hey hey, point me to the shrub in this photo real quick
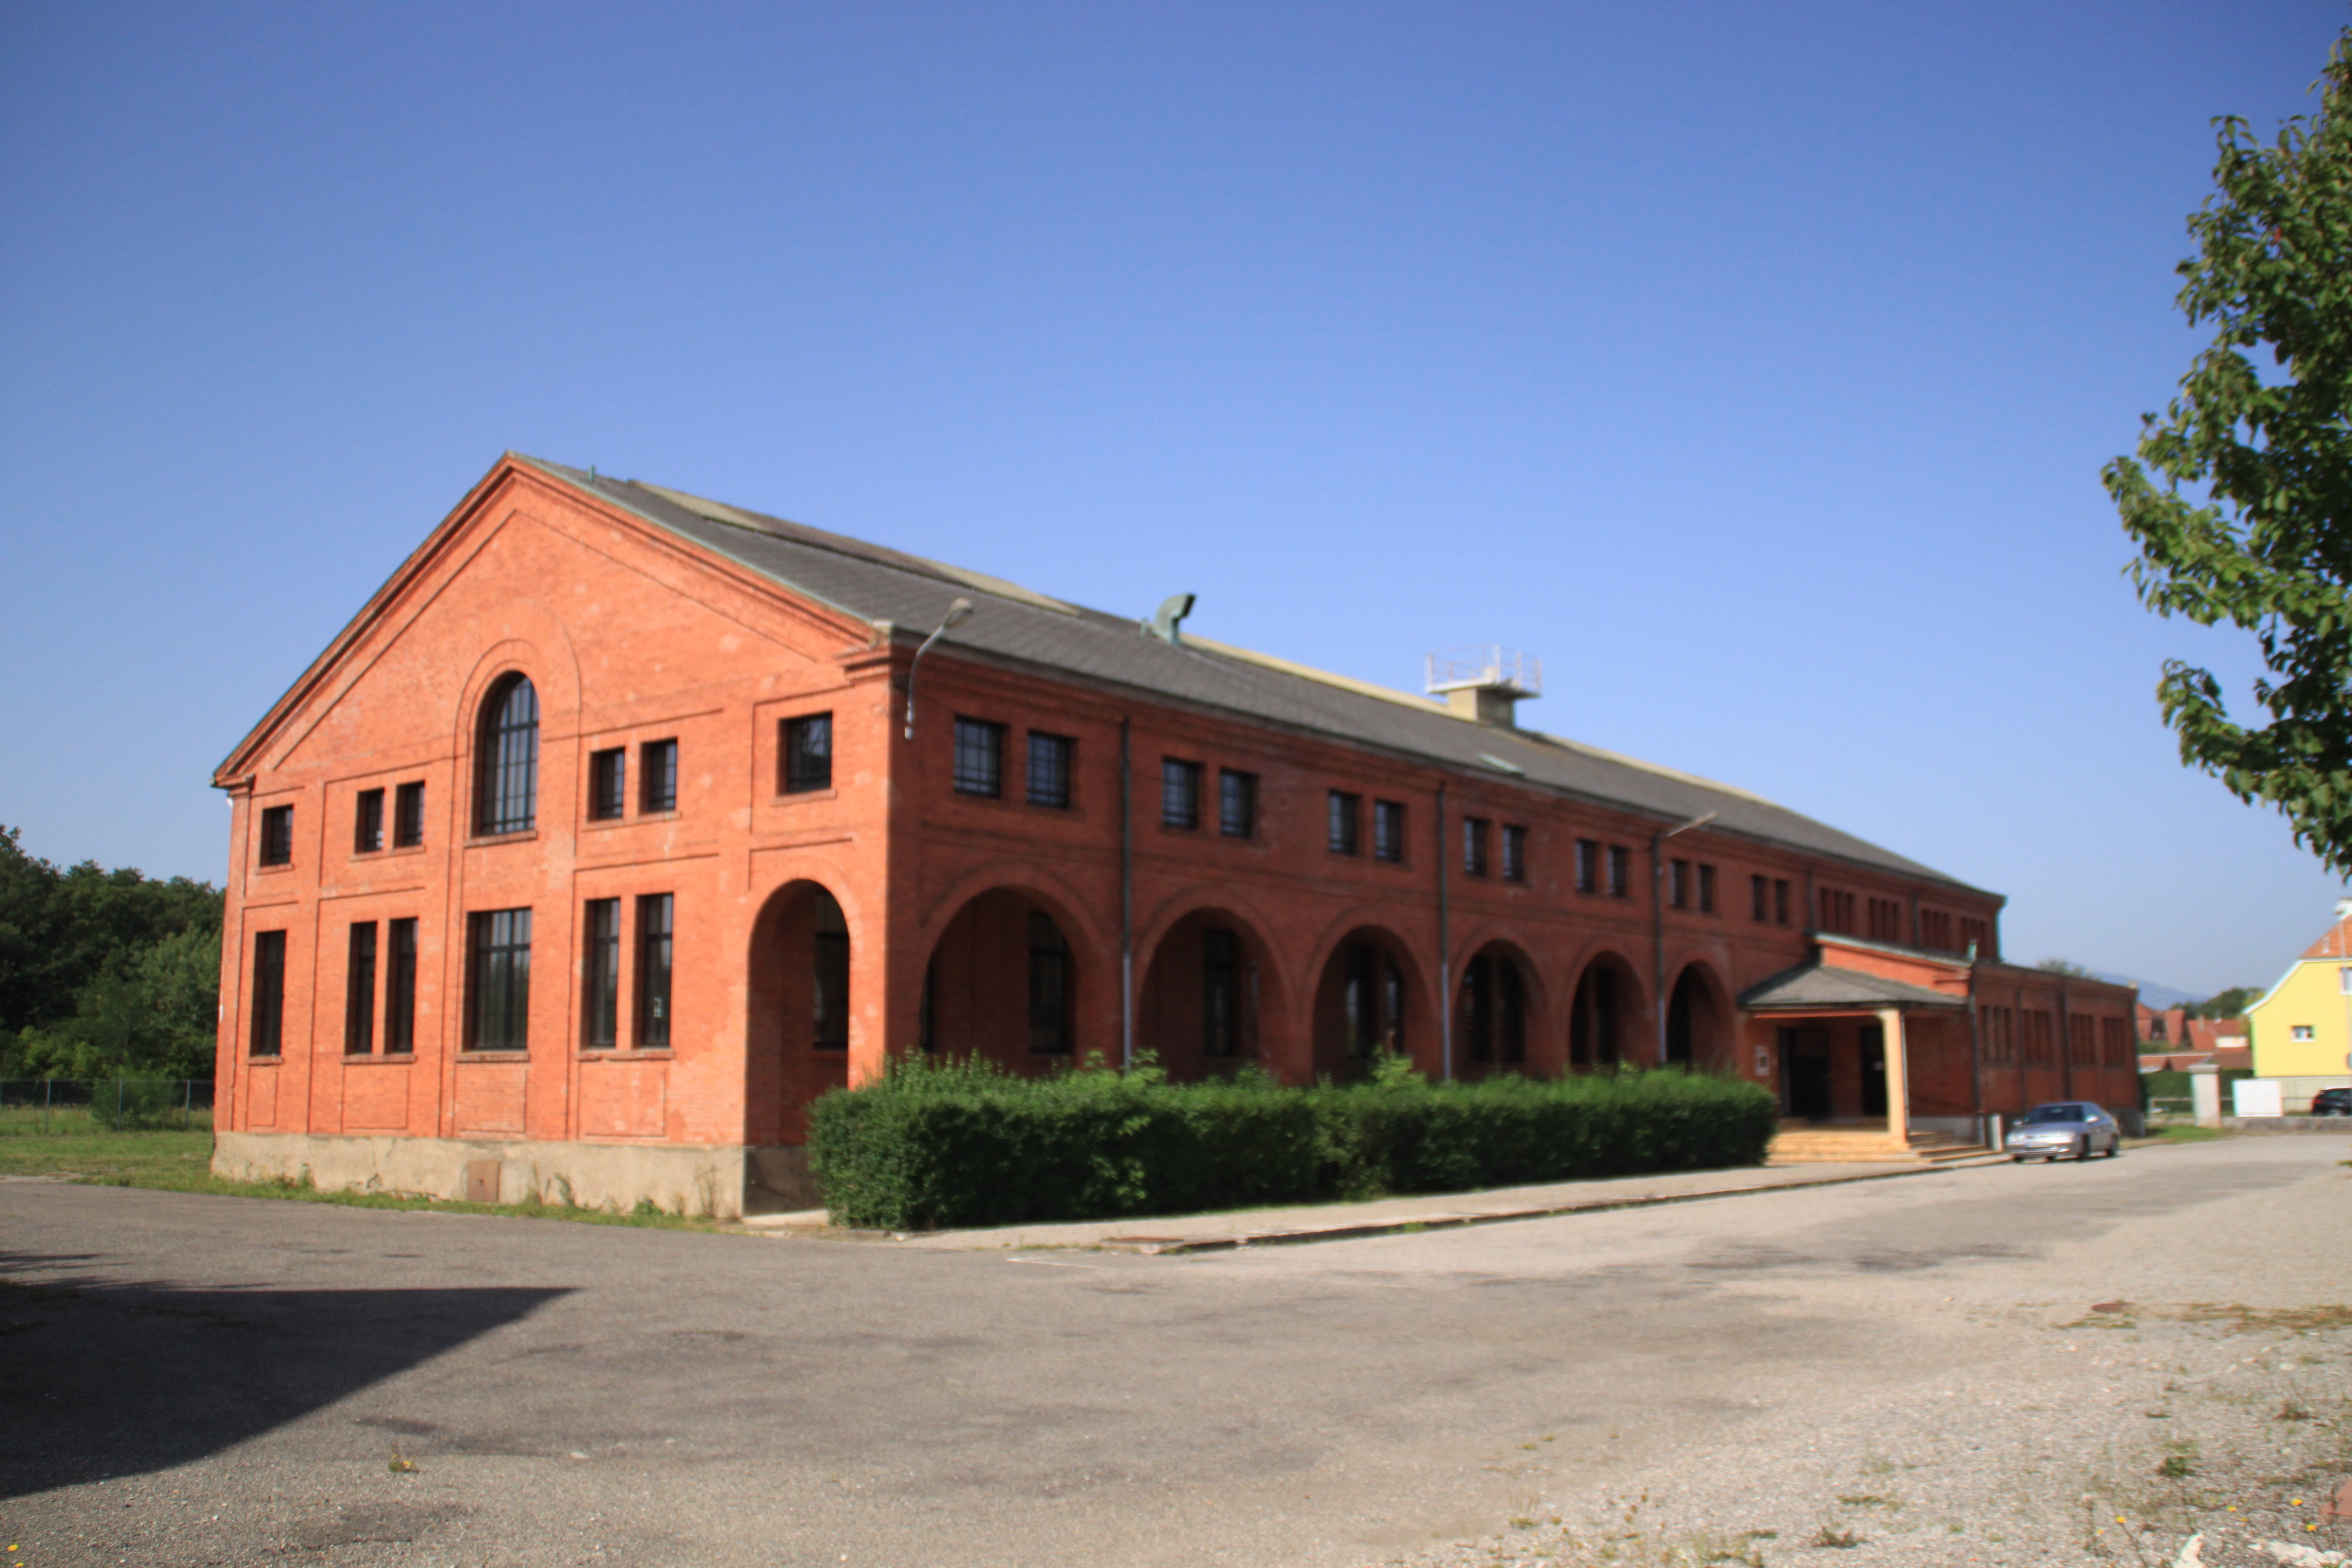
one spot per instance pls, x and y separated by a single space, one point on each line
963 1143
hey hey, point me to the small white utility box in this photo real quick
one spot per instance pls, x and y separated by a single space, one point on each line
2205 1096
2256 1097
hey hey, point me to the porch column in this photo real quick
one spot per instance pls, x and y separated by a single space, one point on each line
1898 1078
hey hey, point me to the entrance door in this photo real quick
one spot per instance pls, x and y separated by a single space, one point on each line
1873 1070
1806 1051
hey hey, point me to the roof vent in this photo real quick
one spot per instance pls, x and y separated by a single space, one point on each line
1167 622
1485 683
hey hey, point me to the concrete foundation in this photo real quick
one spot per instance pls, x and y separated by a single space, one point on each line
720 1181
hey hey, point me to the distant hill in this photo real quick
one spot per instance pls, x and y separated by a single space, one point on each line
2154 995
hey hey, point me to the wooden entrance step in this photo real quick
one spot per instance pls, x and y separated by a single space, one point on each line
1807 1145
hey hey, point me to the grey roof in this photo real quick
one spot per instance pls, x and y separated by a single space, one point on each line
873 583
1822 985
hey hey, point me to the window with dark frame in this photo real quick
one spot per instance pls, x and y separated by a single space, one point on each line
400 988
1514 853
408 815
829 977
1347 823
654 953
1620 871
498 980
359 991
808 753
1180 788
1220 992
657 768
506 784
1678 884
601 1007
1588 865
1237 804
277 835
979 758
1049 769
1049 987
1475 833
268 1012
608 784
1706 889
367 822
1388 830
1760 898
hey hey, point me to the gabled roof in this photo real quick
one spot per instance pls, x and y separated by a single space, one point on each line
1818 985
1013 623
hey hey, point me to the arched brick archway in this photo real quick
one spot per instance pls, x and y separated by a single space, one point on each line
1371 997
1014 977
1700 1020
1501 1015
1211 1000
797 1024
1609 1016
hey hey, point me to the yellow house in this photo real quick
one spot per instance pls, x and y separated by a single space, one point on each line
2301 1030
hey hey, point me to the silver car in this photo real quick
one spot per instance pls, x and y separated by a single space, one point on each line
2069 1127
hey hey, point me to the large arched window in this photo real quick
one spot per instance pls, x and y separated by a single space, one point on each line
506 753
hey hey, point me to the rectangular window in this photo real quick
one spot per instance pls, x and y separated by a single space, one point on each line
1180 784
1475 833
653 970
277 835
268 1009
1678 884
1049 987
408 815
367 823
601 1005
808 753
1347 823
359 991
1514 853
2082 1040
1237 804
1935 930
1836 911
657 765
1780 901
400 990
1978 935
1886 920
1049 770
1760 898
1588 866
1220 970
498 980
608 784
1388 830
1620 871
979 758
1706 889
2299 1032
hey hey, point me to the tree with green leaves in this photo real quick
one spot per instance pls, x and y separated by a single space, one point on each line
2241 497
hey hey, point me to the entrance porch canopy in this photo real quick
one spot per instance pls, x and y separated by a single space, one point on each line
1820 990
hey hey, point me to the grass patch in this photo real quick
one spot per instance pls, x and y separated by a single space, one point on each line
2185 1135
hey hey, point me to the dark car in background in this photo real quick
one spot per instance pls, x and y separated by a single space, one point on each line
2332 1102
2072 1128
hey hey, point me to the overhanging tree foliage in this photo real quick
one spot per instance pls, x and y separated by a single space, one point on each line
2248 515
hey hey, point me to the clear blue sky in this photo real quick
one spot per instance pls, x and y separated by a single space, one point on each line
1752 364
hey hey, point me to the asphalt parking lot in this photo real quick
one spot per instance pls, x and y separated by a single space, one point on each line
191 1380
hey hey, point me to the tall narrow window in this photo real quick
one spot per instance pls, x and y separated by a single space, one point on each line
1049 770
1049 987
268 1008
979 758
367 822
608 784
1388 830
359 991
1620 871
1475 833
1780 901
408 815
498 980
808 753
400 989
1588 866
1237 804
1706 889
830 976
1477 1010
601 1005
1514 853
506 786
1180 789
1678 884
1760 897
657 764
1220 975
1347 818
653 969
277 835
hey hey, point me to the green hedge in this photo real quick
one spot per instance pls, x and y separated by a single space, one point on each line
957 1144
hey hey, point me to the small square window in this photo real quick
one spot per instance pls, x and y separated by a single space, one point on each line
408 815
2301 1031
367 823
1475 833
979 758
1388 830
1588 866
1620 871
1514 853
608 784
277 835
1347 817
657 765
1237 804
808 753
1049 770
1180 787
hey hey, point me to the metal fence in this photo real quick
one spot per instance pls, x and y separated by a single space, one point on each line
61 1105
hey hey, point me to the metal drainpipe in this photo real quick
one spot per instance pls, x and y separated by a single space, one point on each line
2065 1043
1126 900
1658 940
1445 995
1975 1050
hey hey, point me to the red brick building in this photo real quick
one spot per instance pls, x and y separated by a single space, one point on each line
601 841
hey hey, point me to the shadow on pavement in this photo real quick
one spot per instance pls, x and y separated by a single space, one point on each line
108 1378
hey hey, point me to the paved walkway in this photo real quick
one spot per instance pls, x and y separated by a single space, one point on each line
1375 1217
